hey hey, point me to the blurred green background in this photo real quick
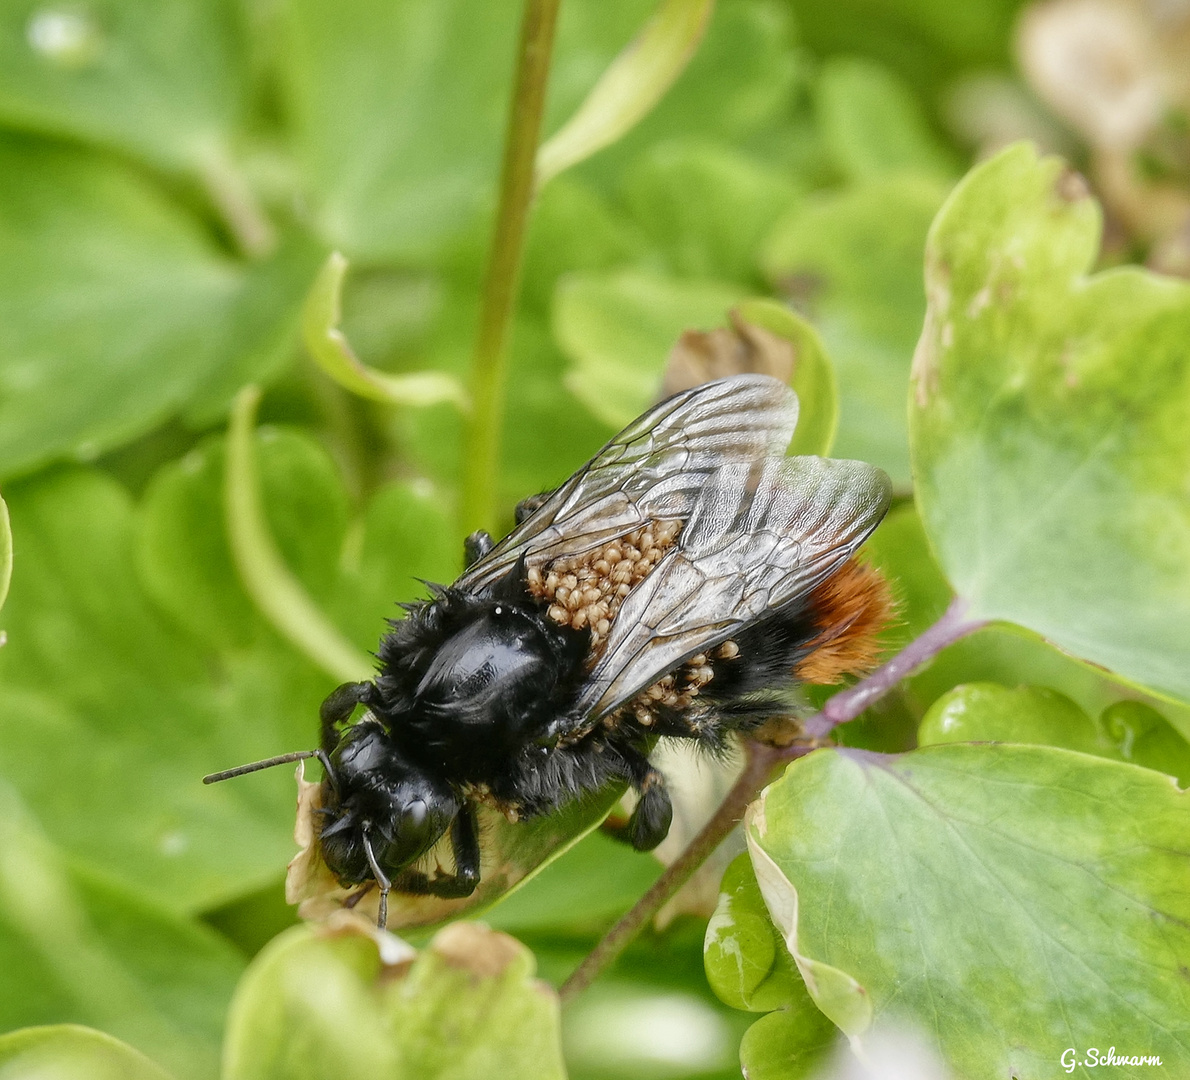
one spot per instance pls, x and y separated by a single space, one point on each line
173 175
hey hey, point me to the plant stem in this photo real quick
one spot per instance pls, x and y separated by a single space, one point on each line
482 443
762 760
232 195
759 764
848 704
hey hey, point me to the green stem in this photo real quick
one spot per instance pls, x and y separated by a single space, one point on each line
482 448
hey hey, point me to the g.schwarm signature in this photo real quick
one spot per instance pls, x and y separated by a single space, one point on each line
1094 1057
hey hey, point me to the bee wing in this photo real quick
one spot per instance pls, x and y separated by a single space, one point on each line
760 535
654 469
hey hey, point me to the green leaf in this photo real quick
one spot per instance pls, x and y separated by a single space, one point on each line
108 299
260 335
586 887
333 353
630 87
182 552
705 206
390 176
406 536
506 1023
1000 654
99 954
618 329
851 260
900 549
789 1044
985 712
573 227
137 710
737 90
927 42
548 433
746 961
352 1002
1141 734
512 853
871 123
308 1007
164 82
399 109
1001 880
5 551
813 376
67 1051
272 586
1047 420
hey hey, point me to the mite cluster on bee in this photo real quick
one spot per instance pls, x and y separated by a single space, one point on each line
679 689
587 590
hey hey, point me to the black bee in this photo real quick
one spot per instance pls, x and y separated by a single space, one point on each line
677 585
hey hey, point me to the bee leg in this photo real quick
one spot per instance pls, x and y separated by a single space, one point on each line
475 547
338 707
527 507
464 843
653 814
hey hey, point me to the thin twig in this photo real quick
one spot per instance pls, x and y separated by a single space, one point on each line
482 444
848 704
759 764
762 760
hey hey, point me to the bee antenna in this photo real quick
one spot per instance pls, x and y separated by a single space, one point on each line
268 763
381 880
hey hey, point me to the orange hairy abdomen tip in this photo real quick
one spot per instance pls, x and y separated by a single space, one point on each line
851 608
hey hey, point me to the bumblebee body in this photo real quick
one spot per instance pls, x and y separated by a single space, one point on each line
678 585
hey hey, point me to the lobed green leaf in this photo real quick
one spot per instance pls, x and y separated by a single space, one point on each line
166 82
347 1001
996 899
1047 423
872 124
618 330
67 1051
75 947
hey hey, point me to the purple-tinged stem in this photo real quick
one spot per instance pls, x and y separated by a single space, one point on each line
848 704
761 762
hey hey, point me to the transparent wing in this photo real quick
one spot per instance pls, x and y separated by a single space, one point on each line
759 536
656 468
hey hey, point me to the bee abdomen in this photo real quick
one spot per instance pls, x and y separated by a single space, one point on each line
850 609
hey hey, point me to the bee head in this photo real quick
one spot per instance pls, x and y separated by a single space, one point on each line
381 812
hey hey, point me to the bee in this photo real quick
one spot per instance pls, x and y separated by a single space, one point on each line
679 584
